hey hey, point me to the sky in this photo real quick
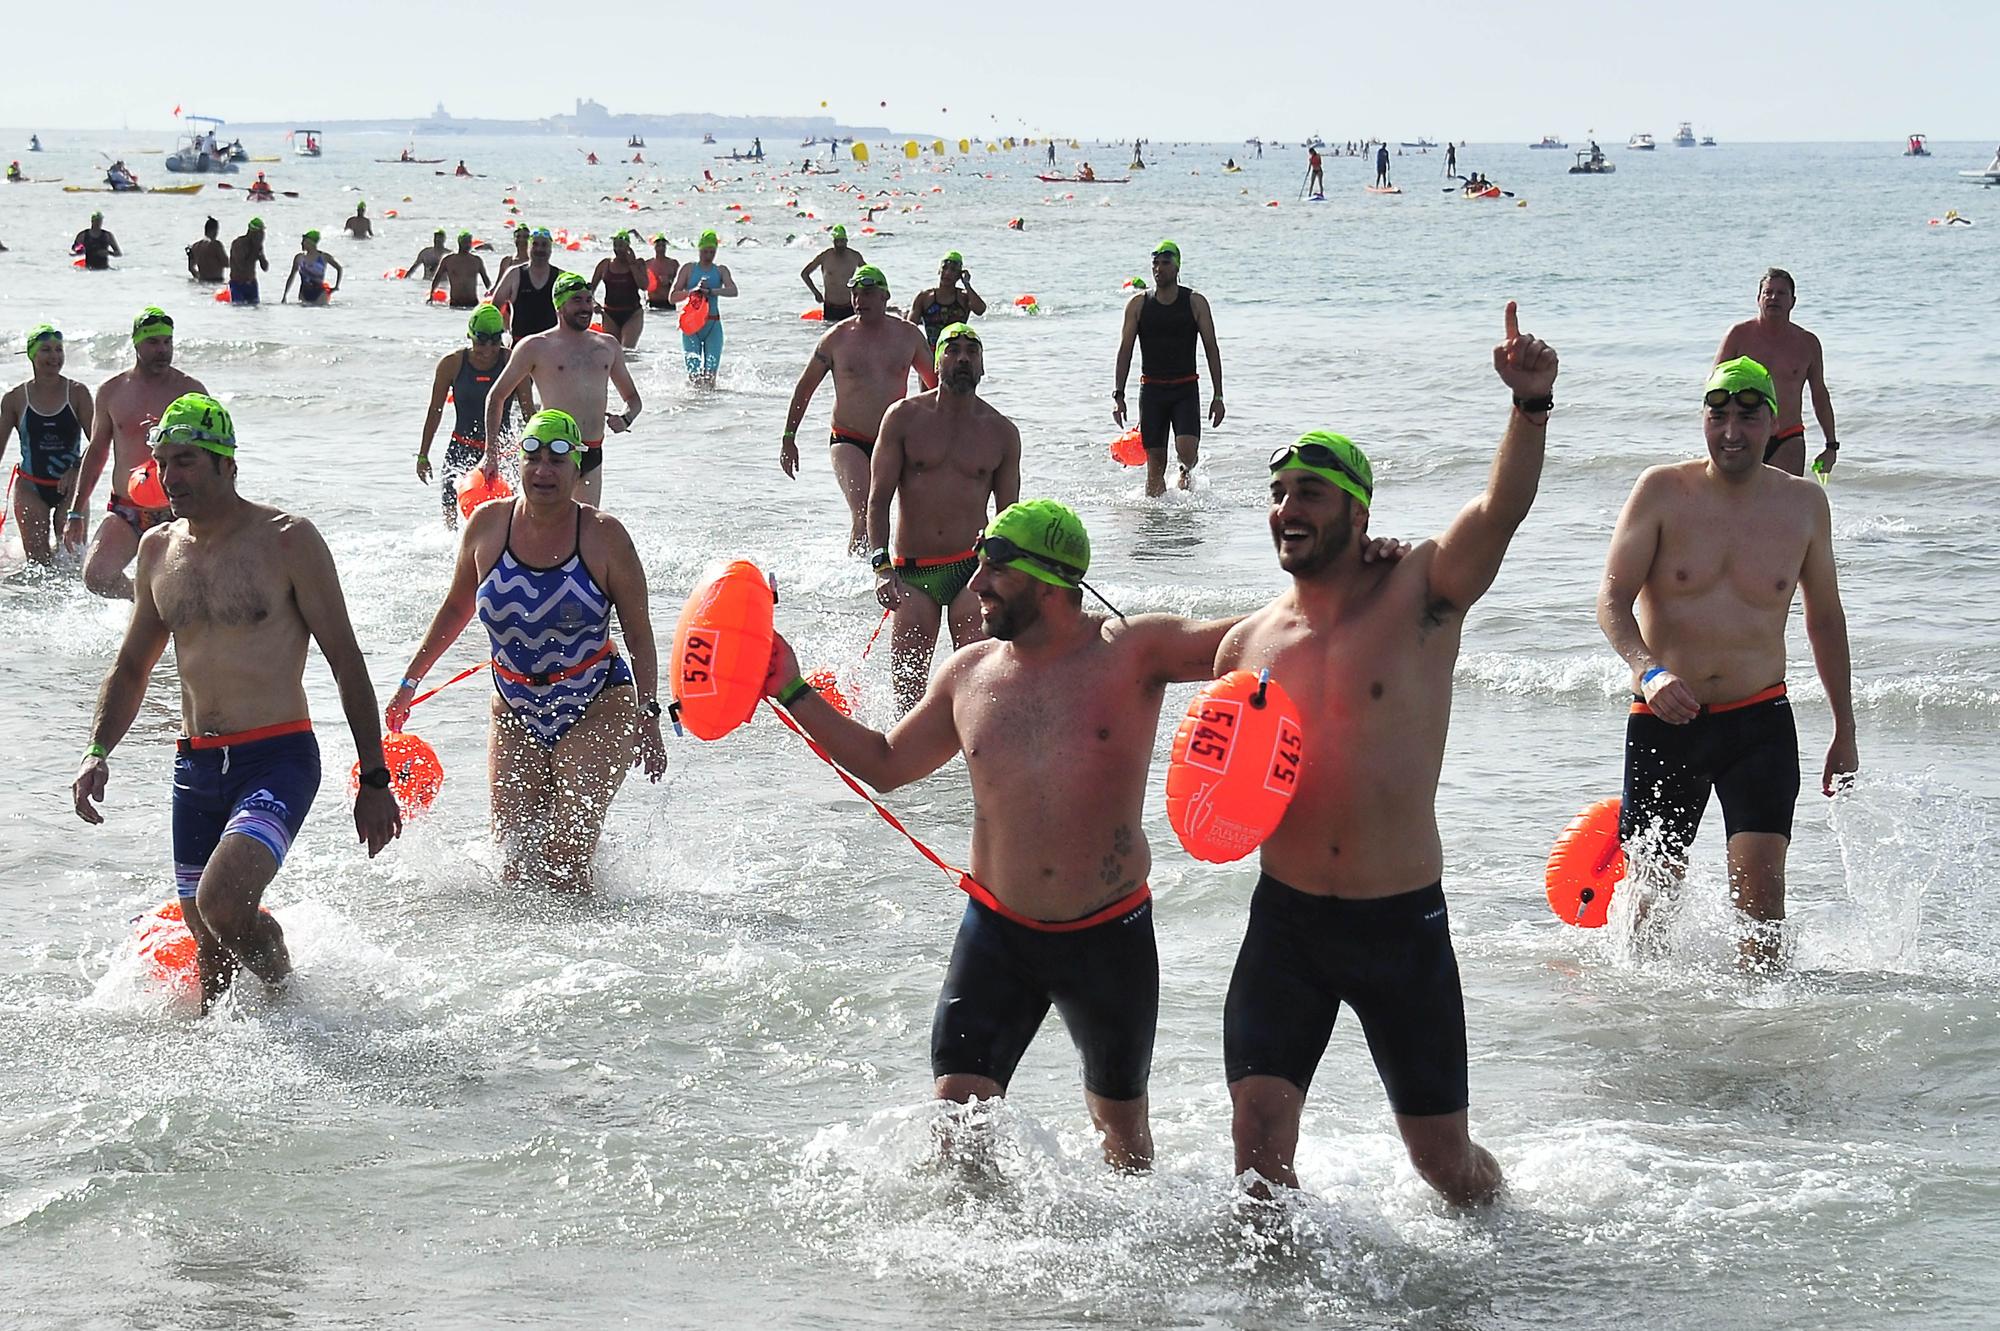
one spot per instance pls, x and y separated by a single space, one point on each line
1485 71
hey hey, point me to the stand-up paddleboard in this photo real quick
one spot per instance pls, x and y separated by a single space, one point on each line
1382 189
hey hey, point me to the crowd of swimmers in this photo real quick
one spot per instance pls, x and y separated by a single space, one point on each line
1053 702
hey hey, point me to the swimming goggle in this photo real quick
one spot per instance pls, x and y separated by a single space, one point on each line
560 448
1319 455
488 339
1000 550
1747 398
169 435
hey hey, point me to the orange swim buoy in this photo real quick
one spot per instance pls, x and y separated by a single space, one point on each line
694 312
474 489
143 486
1129 449
1025 301
1586 864
722 650
814 316
1234 766
824 684
415 774
222 296
167 946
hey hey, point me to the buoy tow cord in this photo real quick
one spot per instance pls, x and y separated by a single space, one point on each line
466 673
957 876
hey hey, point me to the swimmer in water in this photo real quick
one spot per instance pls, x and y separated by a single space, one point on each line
428 258
207 259
241 589
1350 906
97 246
703 348
836 265
1056 712
358 226
572 369
464 273
545 572
1697 590
1166 323
1795 362
246 259
309 266
466 376
623 277
870 360
951 301
129 404
942 454
50 415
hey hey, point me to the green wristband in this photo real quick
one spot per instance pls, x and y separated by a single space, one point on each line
794 691
97 751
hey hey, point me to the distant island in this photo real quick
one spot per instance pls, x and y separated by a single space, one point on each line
592 118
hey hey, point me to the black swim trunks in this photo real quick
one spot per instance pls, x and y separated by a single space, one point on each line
1168 412
867 446
1746 752
1782 437
833 314
1104 979
593 456
459 460
1388 958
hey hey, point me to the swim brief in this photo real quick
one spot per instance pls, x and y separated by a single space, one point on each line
593 456
1747 752
311 291
618 316
48 491
1169 409
941 578
833 314
1781 438
1102 973
258 784
659 304
140 520
243 293
1388 958
866 445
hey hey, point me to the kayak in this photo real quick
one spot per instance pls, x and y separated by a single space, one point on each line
1077 180
396 161
266 159
150 189
1491 192
1383 189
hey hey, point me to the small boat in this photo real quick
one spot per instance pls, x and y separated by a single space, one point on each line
1420 143
635 142
149 189
708 138
1079 180
1917 146
410 161
1987 178
1684 136
1708 140
1640 142
1587 165
193 156
1483 192
305 142
1549 141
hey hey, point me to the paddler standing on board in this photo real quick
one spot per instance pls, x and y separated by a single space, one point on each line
1794 359
1350 907
241 589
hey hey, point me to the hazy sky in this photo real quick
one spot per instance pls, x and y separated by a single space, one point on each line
1780 70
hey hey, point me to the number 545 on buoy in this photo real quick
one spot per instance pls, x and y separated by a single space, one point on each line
1234 767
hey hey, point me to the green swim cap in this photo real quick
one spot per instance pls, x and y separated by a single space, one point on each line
953 256
552 424
1168 247
97 217
1050 531
313 235
709 240
198 419
952 333
566 288
541 233
152 322
486 319
41 333
1348 470
256 224
1734 375
465 235
659 238
868 275
361 207
838 232
522 229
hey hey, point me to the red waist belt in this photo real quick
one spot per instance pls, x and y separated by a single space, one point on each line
192 743
1717 708
548 677
1169 383
1139 896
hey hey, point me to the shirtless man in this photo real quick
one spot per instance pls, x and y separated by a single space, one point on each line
623 277
871 360
241 588
246 257
525 291
358 226
1793 357
428 258
207 259
1350 906
836 266
50 415
942 455
1697 588
95 244
570 367
466 376
661 269
514 260
129 404
1166 322
463 273
1056 714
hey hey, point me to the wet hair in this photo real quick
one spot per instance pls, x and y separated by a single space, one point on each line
209 227
1770 273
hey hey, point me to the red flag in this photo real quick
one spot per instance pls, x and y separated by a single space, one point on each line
177 108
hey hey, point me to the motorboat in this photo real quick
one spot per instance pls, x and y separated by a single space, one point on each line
305 142
1708 140
1987 178
1549 141
708 138
1917 146
1641 143
1684 136
636 141
1420 143
197 152
1592 164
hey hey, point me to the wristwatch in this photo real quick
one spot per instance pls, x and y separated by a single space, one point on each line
376 778
651 709
1546 402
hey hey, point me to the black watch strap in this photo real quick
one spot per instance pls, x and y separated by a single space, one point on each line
376 778
1546 402
651 708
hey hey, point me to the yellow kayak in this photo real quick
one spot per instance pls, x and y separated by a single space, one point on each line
150 189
